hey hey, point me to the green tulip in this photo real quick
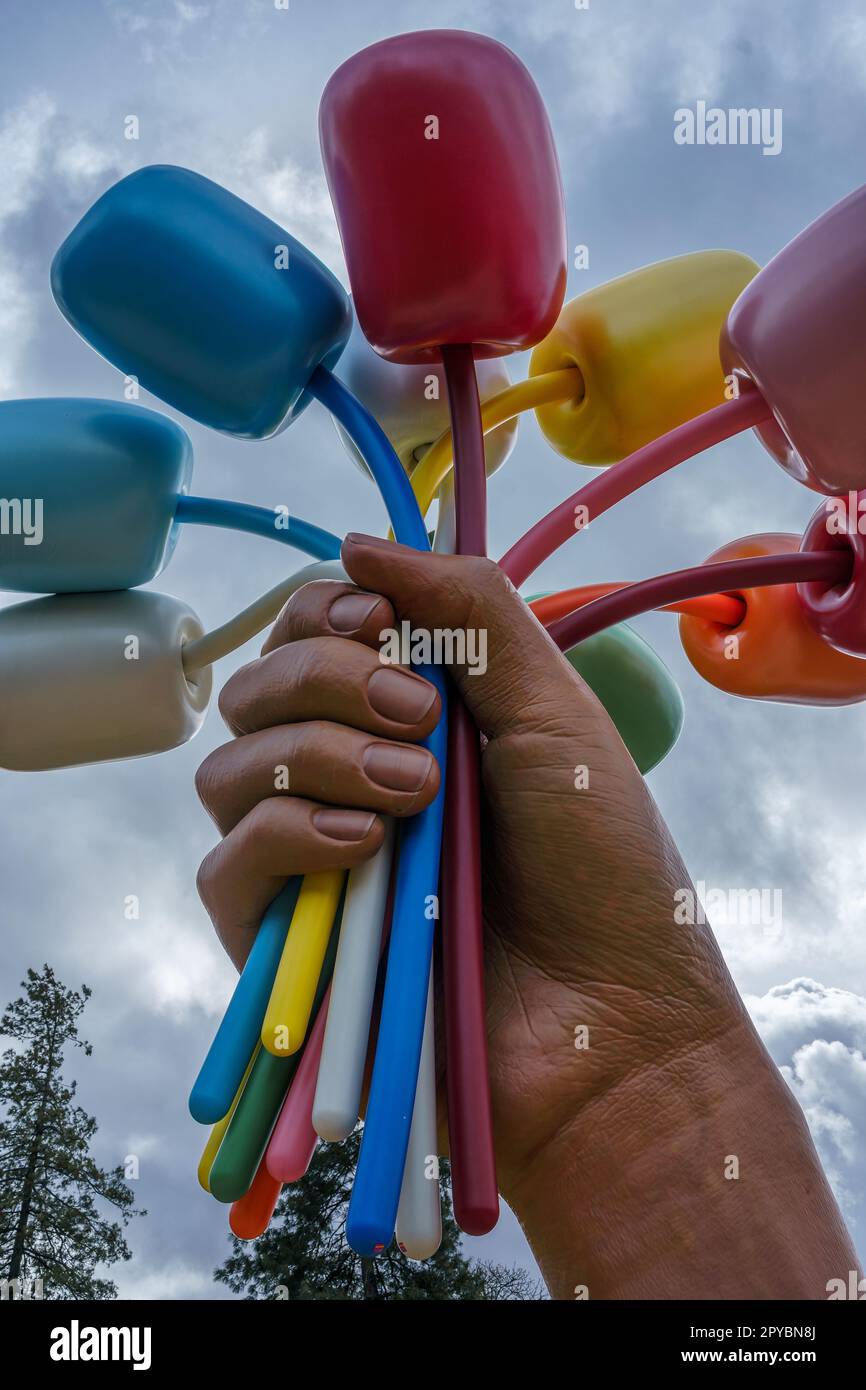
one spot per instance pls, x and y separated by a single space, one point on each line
635 687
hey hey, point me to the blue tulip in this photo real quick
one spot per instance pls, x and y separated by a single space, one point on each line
211 305
88 491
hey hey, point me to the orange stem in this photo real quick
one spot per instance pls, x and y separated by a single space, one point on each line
726 609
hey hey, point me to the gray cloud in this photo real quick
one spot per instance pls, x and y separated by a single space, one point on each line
817 1035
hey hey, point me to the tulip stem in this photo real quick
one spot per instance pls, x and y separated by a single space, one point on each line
470 1119
372 1211
546 389
725 575
275 525
204 651
622 479
726 609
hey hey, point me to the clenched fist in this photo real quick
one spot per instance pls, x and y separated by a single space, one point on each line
624 1068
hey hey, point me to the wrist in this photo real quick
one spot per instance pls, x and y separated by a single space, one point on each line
692 1177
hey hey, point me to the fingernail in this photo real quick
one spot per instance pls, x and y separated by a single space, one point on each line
400 696
360 538
344 825
399 767
349 612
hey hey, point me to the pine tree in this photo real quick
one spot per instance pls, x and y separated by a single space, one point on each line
304 1255
50 1227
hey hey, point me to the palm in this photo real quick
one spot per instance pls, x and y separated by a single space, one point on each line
578 989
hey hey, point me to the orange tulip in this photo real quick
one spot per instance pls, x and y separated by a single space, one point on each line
250 1215
773 653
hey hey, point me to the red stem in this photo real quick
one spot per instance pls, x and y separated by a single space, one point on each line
724 576
470 1122
619 481
716 608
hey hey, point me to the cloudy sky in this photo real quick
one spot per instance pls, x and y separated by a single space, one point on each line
758 796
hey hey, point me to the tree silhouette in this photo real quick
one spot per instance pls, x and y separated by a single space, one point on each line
304 1255
50 1227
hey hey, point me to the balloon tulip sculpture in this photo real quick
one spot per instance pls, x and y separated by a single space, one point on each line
445 182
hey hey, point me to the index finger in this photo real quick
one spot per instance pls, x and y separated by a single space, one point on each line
328 608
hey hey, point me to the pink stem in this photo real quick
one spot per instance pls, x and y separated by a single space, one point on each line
604 491
722 577
293 1142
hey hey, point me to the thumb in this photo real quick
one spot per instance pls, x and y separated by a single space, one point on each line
516 677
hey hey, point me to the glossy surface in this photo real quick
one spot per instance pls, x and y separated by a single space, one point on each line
106 475
181 284
218 1131
238 1033
637 690
797 333
250 1216
837 612
647 347
773 654
411 403
435 466
457 239
366 919
474 1181
287 1016
375 1195
243 1147
90 678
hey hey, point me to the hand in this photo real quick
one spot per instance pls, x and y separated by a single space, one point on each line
610 1025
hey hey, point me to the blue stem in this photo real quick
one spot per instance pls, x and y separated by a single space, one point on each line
259 521
372 1212
223 1068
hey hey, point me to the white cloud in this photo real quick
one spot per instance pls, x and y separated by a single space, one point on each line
279 186
17 321
191 14
174 1280
39 154
847 39
829 1080
81 162
817 1035
615 61
791 1015
161 32
23 147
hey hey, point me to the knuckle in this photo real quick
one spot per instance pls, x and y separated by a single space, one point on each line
264 826
298 616
207 776
487 576
280 631
206 879
329 661
314 739
304 614
230 700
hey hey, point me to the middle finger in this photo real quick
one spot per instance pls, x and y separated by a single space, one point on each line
334 679
318 760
